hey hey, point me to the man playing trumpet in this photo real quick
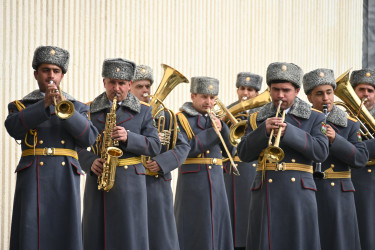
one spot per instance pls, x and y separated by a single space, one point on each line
363 82
335 196
283 210
201 205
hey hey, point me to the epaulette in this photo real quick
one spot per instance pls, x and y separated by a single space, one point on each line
145 103
316 110
185 124
352 118
19 105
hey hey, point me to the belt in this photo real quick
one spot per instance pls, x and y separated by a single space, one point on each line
50 152
285 167
129 161
329 174
214 161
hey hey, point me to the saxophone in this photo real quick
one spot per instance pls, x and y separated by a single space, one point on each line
109 152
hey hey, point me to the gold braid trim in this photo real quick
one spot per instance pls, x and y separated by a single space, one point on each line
185 124
253 120
33 132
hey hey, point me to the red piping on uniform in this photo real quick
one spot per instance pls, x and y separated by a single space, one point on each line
199 126
212 207
87 125
37 174
303 185
199 143
268 217
342 188
304 148
146 144
23 121
178 159
199 169
350 156
299 124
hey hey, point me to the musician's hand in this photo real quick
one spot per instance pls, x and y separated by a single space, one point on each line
119 134
51 92
97 166
217 122
331 134
274 123
153 166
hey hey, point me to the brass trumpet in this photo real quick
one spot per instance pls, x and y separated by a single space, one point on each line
235 170
65 108
274 153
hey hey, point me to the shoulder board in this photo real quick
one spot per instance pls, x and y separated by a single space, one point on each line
352 119
145 103
316 110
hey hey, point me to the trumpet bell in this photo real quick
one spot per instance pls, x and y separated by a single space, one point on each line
64 109
274 154
236 132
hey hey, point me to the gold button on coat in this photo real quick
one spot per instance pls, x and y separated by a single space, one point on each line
63 163
293 160
254 165
332 184
369 170
293 179
210 167
125 167
332 165
270 180
62 142
156 176
41 163
208 151
41 142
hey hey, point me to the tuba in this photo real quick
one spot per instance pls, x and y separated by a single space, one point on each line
109 152
260 100
353 105
170 80
65 108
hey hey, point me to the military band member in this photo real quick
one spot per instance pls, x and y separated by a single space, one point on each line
142 83
238 187
201 205
363 82
283 210
338 225
118 219
47 201
162 231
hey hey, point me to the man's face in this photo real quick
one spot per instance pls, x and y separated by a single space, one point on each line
246 93
284 91
320 95
118 87
140 89
202 102
46 73
368 91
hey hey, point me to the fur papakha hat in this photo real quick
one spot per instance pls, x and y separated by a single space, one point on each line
52 55
318 77
118 68
248 79
143 72
362 76
284 72
204 85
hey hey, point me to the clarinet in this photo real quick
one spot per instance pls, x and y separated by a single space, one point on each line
318 165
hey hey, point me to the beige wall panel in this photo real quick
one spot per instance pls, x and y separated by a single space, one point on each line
216 38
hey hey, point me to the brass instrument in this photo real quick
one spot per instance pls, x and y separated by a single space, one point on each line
353 105
243 106
273 153
170 80
65 108
235 170
318 166
237 129
109 152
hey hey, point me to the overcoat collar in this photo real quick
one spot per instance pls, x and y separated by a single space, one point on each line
188 108
299 109
37 95
338 117
102 102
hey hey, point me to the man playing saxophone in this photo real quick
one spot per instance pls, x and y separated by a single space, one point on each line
201 205
363 83
338 226
238 187
162 231
283 210
118 219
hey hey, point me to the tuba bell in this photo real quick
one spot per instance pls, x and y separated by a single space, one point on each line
170 80
354 106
